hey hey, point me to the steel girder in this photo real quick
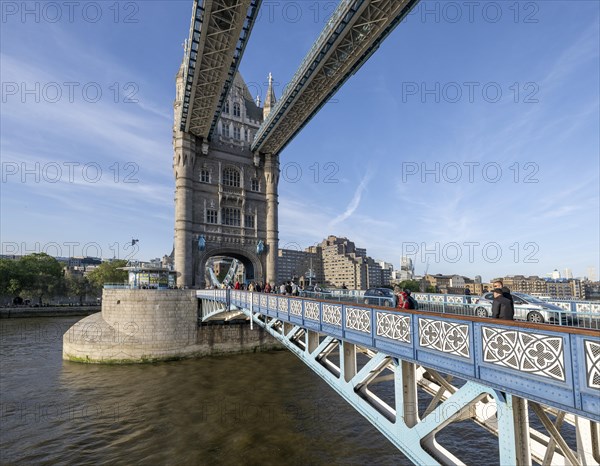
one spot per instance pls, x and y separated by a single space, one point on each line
219 32
352 35
412 429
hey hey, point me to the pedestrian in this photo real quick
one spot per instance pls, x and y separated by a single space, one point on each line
468 295
412 302
257 287
268 288
282 288
498 283
502 307
288 288
237 285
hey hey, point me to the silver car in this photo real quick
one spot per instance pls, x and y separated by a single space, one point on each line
527 308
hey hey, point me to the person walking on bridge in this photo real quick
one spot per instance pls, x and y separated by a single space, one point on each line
502 308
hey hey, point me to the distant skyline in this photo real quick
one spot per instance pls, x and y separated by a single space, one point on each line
470 139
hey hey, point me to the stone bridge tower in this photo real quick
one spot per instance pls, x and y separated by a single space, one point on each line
225 197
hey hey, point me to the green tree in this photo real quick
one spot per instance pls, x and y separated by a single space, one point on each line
39 274
79 287
10 283
108 272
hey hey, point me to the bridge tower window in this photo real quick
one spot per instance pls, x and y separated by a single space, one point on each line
226 107
237 110
249 221
231 177
230 216
204 176
255 185
211 216
225 129
236 132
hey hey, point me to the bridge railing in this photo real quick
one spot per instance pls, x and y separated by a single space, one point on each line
558 366
466 305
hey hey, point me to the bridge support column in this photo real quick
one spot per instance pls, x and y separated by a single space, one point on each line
513 430
588 441
348 364
272 177
406 393
312 340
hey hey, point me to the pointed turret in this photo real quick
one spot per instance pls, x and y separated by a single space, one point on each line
270 99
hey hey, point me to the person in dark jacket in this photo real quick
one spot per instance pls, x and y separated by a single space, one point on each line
502 308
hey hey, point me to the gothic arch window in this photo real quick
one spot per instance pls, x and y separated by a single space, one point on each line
236 132
225 130
226 107
231 177
236 109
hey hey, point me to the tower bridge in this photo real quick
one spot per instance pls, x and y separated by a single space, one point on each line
226 165
226 169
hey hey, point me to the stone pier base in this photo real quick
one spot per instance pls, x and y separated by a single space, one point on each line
137 326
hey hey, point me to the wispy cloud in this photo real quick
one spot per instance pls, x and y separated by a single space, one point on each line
355 202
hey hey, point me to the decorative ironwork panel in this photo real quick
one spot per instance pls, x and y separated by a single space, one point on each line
587 307
296 307
311 310
437 299
358 319
282 305
263 301
447 337
592 363
393 326
454 299
332 314
533 353
272 303
256 299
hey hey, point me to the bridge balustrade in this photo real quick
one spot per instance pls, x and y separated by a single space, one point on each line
557 366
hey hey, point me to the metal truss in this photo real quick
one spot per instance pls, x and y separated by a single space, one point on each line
219 32
425 401
352 35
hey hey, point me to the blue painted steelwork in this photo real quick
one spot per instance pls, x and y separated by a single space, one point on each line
531 361
194 55
323 46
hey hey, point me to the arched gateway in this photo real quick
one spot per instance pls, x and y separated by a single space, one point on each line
225 196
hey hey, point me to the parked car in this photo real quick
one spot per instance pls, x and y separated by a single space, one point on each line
380 297
527 308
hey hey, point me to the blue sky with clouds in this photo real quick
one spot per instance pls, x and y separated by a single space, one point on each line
470 139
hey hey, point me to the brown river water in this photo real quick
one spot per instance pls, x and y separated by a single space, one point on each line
253 409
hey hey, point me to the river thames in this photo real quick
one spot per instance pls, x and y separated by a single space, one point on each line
252 409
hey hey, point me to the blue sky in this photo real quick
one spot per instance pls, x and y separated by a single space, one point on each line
469 140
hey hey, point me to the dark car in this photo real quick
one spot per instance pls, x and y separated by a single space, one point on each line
380 297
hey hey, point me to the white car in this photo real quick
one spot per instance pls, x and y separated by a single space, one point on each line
527 308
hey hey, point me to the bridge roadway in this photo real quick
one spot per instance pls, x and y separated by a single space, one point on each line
509 369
